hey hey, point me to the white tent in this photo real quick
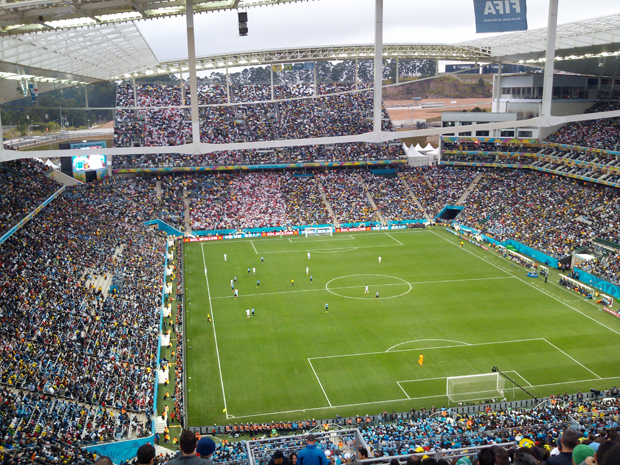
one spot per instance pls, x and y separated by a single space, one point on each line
418 147
428 147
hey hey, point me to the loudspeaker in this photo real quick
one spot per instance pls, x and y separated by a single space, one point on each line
243 23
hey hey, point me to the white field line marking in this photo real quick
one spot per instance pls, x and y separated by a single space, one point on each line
217 351
254 247
427 348
388 235
339 406
361 404
398 382
424 340
531 285
579 363
519 375
347 238
363 286
320 384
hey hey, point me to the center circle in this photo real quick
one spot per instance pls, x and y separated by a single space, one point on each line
353 286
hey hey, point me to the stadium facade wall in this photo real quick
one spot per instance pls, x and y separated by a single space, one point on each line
165 227
183 169
120 451
521 248
591 280
585 277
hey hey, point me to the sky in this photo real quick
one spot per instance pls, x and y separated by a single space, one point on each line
343 22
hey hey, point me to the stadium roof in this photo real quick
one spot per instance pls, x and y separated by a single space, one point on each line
24 16
73 36
594 42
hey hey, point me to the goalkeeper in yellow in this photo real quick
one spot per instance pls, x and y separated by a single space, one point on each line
421 359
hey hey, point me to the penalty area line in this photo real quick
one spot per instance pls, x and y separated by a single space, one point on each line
317 378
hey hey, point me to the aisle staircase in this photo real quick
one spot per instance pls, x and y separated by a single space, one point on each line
412 195
328 205
188 220
470 188
371 200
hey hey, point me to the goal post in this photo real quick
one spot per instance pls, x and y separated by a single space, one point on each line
475 387
319 231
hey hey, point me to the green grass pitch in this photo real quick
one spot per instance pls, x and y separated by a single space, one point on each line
465 309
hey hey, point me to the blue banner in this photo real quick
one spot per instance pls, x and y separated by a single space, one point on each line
500 15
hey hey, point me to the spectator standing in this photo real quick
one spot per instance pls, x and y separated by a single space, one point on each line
311 454
205 448
187 444
568 441
146 454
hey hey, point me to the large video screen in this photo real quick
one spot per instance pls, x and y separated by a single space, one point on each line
88 162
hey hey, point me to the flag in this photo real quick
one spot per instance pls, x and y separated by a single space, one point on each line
276 68
288 67
224 410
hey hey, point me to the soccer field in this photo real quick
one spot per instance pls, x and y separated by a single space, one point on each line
465 309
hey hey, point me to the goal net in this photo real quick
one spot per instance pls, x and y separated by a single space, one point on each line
488 386
322 231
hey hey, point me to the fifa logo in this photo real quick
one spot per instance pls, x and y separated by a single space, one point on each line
501 7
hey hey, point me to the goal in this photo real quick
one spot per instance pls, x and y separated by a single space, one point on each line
319 231
475 387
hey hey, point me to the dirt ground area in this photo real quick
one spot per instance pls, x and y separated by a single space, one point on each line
405 113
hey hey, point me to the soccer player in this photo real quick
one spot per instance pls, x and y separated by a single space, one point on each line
232 287
252 311
310 278
249 270
258 283
225 258
292 282
262 259
308 255
236 293
205 271
253 271
247 312
377 295
461 243
209 318
235 279
326 307
366 290
421 359
379 259
307 270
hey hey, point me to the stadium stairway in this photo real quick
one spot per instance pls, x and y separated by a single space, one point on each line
470 188
412 195
102 281
63 179
326 203
158 190
371 200
188 220
160 424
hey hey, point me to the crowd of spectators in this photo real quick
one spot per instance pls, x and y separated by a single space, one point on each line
597 133
427 431
24 187
436 187
249 118
392 199
288 155
347 196
303 200
77 361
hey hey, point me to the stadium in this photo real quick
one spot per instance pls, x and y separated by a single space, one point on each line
267 244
